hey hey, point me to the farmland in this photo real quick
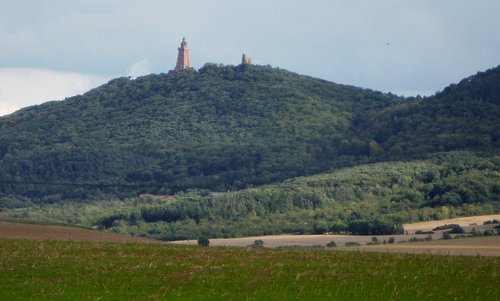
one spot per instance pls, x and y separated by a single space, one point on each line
20 229
90 270
487 246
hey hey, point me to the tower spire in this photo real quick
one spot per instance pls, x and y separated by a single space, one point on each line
183 56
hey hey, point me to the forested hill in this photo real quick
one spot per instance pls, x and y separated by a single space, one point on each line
462 116
229 127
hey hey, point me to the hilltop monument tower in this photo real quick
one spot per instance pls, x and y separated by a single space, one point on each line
246 60
182 57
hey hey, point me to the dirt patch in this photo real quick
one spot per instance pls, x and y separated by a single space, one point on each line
52 232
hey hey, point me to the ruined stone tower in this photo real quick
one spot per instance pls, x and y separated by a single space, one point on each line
182 57
246 60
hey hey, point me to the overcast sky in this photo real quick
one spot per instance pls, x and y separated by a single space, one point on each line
52 49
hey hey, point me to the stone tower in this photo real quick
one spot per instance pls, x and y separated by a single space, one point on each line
182 57
246 60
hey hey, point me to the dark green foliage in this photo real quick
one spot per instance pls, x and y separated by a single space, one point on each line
446 235
446 227
368 199
192 137
258 243
219 128
456 229
374 227
462 116
489 222
351 244
424 232
203 242
223 128
391 240
331 244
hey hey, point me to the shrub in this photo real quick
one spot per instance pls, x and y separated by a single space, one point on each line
258 243
374 241
456 229
489 233
351 244
445 227
391 240
331 244
446 235
203 242
494 221
424 232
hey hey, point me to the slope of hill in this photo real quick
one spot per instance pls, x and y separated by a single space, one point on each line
19 230
219 128
462 116
369 199
223 128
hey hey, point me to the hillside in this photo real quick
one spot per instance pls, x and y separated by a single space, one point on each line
370 199
462 116
225 128
14 229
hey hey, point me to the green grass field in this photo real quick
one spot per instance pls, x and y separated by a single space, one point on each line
58 270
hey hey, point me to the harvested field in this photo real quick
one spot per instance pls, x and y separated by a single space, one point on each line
484 246
55 232
462 221
487 246
295 240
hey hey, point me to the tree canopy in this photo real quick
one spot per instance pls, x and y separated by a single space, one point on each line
229 127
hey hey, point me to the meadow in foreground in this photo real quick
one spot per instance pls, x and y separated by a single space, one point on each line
83 270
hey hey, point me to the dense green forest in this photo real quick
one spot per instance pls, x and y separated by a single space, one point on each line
367 199
229 127
244 150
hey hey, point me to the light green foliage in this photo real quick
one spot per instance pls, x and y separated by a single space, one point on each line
53 270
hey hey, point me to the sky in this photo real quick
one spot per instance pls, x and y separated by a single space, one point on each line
53 49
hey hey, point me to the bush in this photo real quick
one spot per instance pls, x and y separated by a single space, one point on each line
331 244
456 229
445 227
351 244
494 221
203 242
489 233
258 243
424 232
446 235
391 240
374 241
